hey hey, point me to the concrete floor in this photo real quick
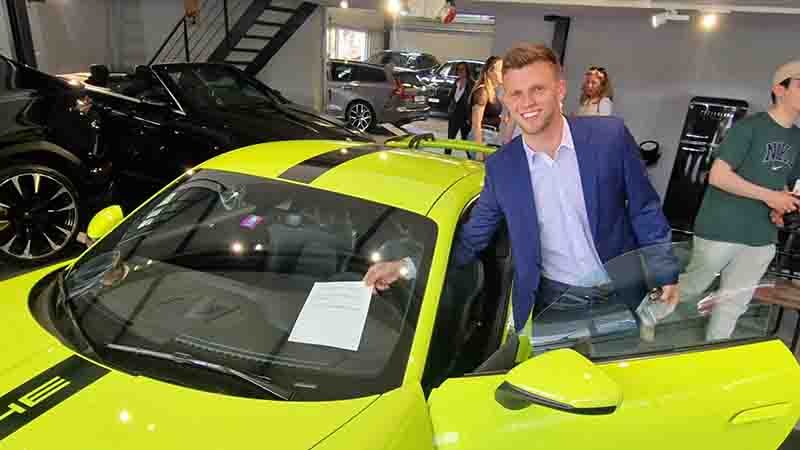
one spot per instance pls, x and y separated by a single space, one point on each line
438 127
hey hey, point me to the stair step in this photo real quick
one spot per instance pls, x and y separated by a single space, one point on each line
254 36
245 50
237 62
281 9
269 24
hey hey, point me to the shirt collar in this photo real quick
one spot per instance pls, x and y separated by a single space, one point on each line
566 142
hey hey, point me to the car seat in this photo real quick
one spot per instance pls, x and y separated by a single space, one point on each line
99 75
305 249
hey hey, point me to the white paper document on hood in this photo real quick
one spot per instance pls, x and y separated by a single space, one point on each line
334 315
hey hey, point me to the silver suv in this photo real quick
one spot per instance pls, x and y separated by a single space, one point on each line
365 97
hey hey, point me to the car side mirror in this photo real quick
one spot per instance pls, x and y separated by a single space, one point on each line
563 380
104 221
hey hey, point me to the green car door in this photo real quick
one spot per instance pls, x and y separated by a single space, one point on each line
596 381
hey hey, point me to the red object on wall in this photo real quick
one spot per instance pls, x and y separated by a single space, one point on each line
448 12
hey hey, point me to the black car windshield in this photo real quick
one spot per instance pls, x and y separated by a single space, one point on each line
220 266
215 86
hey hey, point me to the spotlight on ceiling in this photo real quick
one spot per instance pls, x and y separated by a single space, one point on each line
709 21
661 18
343 4
393 6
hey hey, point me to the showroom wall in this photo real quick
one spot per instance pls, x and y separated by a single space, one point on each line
6 39
656 72
446 44
296 70
68 36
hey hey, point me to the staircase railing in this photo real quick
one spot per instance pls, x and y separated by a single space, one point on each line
191 37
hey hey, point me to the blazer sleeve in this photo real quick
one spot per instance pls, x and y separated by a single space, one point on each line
483 221
650 227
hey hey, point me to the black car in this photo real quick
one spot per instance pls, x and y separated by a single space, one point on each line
53 168
73 143
443 81
163 119
422 63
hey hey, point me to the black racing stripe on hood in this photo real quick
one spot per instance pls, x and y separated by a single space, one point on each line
310 169
45 391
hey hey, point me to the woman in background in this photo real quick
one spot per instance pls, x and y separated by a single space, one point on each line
596 94
486 106
458 110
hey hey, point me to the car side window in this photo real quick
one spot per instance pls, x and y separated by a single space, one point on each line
342 73
370 75
445 70
623 316
426 61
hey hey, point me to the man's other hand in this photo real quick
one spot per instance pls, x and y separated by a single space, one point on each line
381 275
776 217
670 294
782 201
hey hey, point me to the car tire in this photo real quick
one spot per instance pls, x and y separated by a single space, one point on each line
40 214
360 116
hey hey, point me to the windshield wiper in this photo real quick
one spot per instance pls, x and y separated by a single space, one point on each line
66 304
179 358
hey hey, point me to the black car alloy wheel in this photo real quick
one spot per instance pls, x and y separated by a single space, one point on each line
360 116
39 213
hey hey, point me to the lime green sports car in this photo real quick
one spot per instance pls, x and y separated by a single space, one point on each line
229 312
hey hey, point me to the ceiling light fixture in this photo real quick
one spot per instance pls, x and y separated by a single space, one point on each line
661 18
343 4
709 21
393 6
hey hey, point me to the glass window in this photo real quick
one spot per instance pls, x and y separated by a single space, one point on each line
370 75
344 43
342 72
220 265
445 70
215 86
623 316
426 61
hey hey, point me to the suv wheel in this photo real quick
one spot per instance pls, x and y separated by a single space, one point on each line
360 116
39 213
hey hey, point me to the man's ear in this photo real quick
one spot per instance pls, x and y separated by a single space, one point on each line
779 90
562 89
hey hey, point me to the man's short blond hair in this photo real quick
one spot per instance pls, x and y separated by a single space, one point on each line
525 54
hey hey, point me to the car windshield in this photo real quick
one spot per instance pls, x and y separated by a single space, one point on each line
215 86
221 266
622 314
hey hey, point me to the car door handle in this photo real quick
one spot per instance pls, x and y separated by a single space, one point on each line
762 414
347 88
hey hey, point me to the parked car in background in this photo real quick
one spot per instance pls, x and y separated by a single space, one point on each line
422 63
364 96
53 168
163 119
443 81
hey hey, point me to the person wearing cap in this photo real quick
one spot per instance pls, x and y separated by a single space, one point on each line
736 227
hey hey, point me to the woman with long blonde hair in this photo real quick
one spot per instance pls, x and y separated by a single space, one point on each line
597 94
486 106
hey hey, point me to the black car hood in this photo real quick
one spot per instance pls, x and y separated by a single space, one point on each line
255 124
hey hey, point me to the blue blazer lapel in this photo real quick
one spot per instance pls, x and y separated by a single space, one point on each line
522 184
587 165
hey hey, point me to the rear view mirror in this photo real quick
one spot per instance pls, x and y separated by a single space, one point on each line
563 380
104 221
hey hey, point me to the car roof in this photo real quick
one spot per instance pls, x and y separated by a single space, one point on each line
408 179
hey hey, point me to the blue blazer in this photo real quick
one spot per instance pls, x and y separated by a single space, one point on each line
623 208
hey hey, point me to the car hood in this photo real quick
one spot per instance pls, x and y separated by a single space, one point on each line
256 124
51 397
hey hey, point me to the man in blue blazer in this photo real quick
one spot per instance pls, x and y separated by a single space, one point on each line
573 192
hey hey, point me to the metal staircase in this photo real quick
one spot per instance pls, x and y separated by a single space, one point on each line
260 28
